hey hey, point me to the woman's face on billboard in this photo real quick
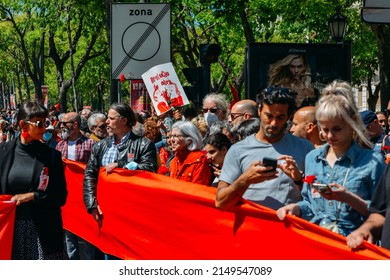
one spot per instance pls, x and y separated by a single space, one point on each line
297 68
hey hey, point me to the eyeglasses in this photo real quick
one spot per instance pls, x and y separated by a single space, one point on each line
103 126
212 110
65 123
176 136
39 124
233 116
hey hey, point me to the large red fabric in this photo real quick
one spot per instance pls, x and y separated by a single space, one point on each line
153 217
7 221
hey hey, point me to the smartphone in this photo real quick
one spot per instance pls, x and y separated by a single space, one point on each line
322 188
267 161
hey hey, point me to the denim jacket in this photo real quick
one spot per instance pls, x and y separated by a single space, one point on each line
365 169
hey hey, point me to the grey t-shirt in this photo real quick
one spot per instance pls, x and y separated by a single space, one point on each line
272 193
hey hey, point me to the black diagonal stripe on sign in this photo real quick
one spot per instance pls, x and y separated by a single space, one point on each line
142 39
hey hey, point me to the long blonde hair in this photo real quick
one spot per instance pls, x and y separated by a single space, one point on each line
279 72
337 102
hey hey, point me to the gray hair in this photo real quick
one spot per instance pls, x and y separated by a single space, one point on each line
191 133
220 99
93 119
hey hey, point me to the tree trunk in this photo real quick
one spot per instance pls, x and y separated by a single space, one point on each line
382 32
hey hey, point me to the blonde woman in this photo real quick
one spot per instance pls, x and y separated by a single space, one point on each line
294 73
345 163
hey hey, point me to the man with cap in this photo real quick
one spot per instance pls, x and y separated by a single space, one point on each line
373 129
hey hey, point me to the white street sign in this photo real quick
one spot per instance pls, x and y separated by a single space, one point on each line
140 38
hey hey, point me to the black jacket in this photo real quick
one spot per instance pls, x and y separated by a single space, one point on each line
142 149
46 207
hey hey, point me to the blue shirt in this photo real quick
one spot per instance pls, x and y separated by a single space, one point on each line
365 169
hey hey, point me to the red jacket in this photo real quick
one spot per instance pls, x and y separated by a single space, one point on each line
191 166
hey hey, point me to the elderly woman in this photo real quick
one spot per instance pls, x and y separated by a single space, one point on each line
190 163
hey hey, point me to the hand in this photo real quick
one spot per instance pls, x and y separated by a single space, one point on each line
23 198
110 167
292 209
257 173
290 167
338 193
177 115
97 215
355 239
216 169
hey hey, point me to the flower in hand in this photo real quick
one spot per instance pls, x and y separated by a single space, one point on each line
310 179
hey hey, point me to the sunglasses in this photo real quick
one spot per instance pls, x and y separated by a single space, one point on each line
103 126
65 123
212 110
39 124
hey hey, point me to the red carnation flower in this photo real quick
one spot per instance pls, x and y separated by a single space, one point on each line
163 170
122 78
310 179
385 148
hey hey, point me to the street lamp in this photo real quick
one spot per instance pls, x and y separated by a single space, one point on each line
337 24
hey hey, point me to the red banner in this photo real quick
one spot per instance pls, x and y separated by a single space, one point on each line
150 216
7 219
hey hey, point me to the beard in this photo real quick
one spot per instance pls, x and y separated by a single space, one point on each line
65 134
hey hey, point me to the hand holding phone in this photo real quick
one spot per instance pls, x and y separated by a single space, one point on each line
267 161
322 188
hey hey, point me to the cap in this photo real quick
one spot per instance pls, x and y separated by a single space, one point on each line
368 117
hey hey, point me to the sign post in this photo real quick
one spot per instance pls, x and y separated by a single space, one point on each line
140 38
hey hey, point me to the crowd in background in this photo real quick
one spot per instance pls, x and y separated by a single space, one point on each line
224 145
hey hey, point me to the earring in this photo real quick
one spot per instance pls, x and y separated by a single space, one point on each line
25 134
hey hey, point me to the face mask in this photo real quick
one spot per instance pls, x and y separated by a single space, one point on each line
47 136
210 118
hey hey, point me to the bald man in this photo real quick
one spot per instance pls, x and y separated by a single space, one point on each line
243 110
305 125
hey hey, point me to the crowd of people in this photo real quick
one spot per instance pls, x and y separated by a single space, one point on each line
330 160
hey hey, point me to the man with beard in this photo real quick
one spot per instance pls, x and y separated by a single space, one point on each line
244 175
122 149
242 110
75 146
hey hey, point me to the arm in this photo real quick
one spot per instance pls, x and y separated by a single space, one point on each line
231 194
366 231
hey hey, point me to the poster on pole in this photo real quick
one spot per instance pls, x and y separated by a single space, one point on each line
45 93
164 88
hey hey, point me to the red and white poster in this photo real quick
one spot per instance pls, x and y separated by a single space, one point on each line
45 93
139 97
164 88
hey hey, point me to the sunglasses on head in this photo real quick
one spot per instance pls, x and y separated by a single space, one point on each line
280 90
39 124
212 110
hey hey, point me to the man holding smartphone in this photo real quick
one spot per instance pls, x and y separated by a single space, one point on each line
245 173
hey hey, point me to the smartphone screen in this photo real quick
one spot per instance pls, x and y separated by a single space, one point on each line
267 161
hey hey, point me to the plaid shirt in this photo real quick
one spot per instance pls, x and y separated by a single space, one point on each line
83 149
111 154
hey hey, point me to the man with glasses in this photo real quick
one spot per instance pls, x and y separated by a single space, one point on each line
244 175
122 149
97 126
241 111
75 146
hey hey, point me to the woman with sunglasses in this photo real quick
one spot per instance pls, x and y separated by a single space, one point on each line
32 174
189 164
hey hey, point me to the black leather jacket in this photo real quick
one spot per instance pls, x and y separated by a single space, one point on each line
144 152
